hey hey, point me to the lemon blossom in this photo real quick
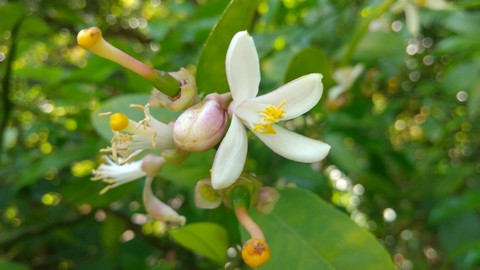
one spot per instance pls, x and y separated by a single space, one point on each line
412 17
261 114
345 77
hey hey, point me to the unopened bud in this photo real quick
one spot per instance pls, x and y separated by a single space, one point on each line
152 165
267 200
205 196
202 126
255 252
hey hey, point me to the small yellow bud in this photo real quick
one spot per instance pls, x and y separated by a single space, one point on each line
255 252
118 121
87 38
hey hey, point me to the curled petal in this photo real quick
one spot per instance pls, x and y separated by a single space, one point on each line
294 146
231 155
300 95
242 67
159 209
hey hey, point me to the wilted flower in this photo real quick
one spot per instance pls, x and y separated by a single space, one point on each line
261 114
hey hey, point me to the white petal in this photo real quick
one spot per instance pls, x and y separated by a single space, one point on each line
300 95
412 18
230 156
293 146
243 68
159 209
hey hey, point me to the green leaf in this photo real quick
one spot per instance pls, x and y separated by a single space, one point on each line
463 23
310 60
121 104
57 160
111 231
320 236
10 13
454 206
207 239
198 164
342 154
373 46
211 64
33 27
4 264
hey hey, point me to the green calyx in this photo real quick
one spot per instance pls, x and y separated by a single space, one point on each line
244 192
239 197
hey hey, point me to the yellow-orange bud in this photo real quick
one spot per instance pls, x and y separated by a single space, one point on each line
87 38
118 121
255 252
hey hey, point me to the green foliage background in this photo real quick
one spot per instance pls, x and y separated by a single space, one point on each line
405 142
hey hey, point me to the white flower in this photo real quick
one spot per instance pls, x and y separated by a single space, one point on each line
412 17
116 175
345 78
260 114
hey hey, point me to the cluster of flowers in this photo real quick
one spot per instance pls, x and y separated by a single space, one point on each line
201 126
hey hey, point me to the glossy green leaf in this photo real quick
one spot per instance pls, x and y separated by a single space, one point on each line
305 232
310 60
207 239
211 64
122 104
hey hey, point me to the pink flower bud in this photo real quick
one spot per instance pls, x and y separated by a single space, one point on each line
201 126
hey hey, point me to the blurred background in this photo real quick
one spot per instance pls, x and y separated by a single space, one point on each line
405 137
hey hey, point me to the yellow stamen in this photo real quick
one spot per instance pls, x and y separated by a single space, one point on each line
118 121
255 253
270 116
